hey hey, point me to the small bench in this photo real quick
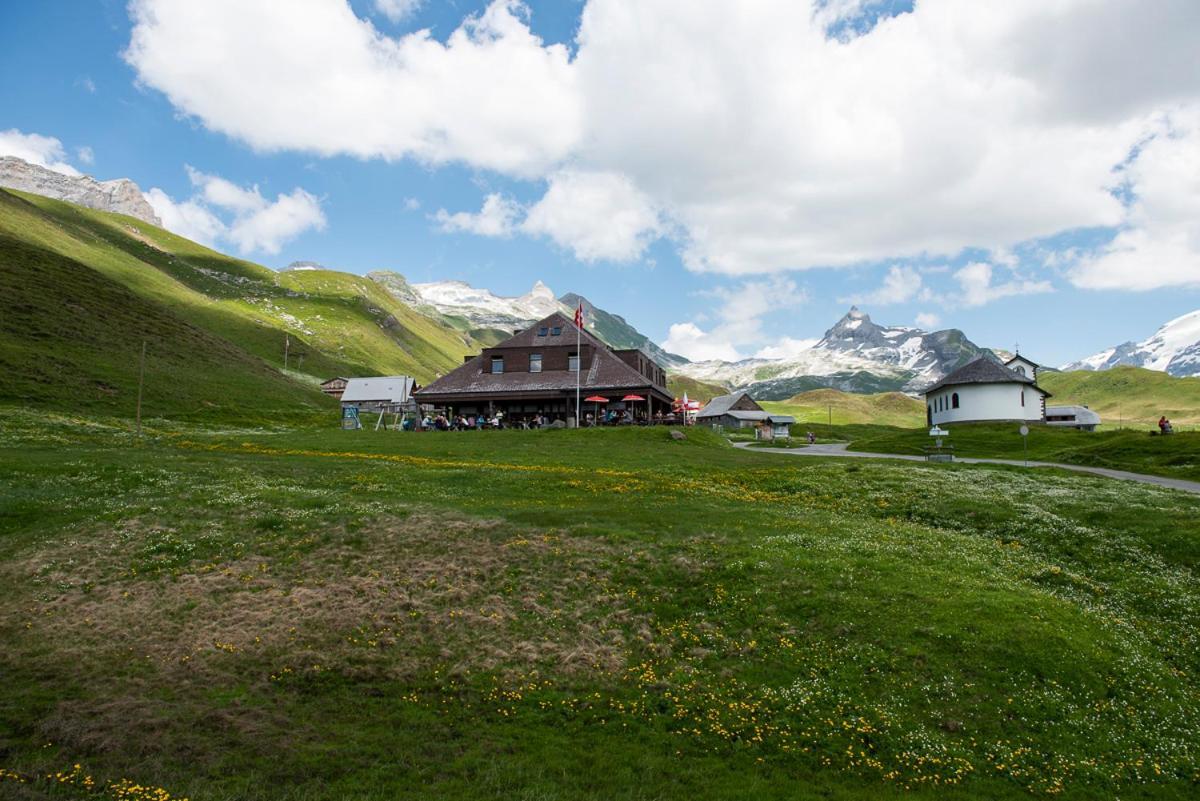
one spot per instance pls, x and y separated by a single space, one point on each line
942 454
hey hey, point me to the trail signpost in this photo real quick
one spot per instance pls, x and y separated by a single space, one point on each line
938 453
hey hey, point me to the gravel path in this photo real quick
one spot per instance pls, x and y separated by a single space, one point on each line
839 450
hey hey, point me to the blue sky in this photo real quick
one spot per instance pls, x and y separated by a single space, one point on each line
728 197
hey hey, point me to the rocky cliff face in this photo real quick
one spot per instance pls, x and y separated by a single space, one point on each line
120 195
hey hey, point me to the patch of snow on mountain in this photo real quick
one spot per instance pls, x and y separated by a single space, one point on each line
1174 349
483 308
855 352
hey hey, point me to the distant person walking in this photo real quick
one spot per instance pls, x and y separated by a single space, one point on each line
1164 425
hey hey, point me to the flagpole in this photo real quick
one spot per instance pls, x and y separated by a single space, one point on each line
578 360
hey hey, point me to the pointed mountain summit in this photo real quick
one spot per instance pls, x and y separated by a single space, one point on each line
855 355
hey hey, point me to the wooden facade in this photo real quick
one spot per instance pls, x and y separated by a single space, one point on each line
533 373
334 387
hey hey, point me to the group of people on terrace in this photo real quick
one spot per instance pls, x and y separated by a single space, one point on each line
499 420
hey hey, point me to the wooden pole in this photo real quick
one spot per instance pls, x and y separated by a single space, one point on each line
141 381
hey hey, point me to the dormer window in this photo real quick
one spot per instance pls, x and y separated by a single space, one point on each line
497 365
535 362
556 330
542 331
1019 369
573 362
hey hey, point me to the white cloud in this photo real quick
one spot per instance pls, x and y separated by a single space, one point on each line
411 204
900 285
975 281
493 95
692 342
597 215
761 142
786 348
495 218
1159 245
85 155
928 320
776 147
189 218
738 321
223 211
397 10
44 151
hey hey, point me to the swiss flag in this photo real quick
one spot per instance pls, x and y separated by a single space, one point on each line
579 315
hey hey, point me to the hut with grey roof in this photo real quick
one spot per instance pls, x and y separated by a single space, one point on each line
389 393
737 410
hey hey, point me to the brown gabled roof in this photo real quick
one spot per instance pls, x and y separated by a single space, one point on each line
607 371
984 371
529 337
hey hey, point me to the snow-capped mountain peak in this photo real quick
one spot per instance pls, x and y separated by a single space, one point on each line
856 354
1174 348
486 309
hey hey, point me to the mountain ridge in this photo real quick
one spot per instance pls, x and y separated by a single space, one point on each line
855 355
119 195
1174 349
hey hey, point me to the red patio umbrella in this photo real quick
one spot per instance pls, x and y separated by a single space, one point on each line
639 398
597 399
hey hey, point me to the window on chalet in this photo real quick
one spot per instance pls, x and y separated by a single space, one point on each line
542 331
556 330
535 362
497 364
954 401
573 362
1022 397
1019 369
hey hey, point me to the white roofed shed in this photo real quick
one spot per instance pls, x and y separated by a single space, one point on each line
381 392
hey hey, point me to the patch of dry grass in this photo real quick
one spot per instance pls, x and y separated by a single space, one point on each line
398 599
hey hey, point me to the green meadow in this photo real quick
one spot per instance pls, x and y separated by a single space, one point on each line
248 603
251 612
1135 450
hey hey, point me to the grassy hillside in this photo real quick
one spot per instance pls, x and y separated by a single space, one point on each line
84 287
614 330
885 408
390 616
1129 396
696 390
70 338
1176 456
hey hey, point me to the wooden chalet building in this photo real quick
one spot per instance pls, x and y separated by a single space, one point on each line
334 387
533 373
